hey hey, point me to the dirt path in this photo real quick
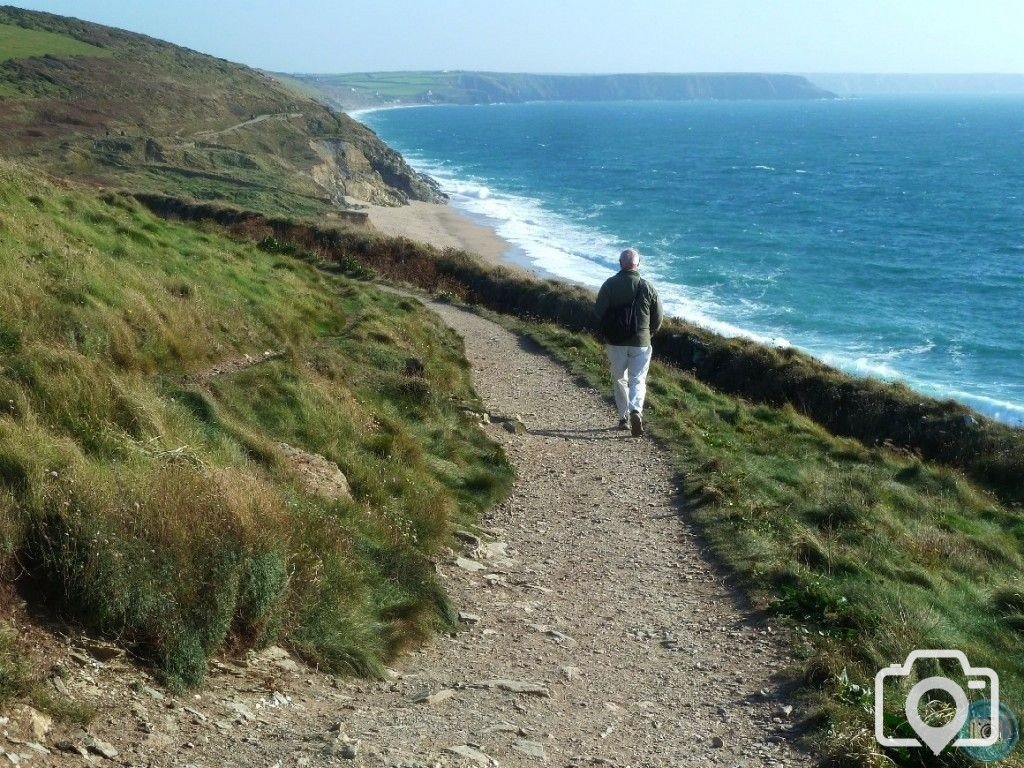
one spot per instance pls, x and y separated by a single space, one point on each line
247 123
604 599
234 365
596 632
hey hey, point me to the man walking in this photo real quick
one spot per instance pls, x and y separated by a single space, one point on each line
629 311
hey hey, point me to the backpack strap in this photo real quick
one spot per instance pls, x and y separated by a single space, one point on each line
636 295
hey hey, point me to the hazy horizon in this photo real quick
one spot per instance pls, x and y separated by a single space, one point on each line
916 37
584 73
844 84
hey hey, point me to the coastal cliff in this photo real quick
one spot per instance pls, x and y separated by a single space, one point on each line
347 91
120 109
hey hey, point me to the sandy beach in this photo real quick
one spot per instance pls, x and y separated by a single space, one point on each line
444 227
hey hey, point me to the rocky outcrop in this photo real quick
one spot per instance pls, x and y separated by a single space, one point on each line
317 474
401 179
370 171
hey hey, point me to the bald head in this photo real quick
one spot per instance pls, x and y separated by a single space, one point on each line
629 259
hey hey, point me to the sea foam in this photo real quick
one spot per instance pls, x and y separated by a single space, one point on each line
854 278
544 240
561 248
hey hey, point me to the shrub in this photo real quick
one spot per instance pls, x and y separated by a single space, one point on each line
871 411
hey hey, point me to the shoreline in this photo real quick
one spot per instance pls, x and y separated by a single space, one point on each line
444 226
554 246
358 112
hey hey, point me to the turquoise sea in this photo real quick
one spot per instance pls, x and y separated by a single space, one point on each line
883 235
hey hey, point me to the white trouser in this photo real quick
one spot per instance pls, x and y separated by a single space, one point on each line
629 377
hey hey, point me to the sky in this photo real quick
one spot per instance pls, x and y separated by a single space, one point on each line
905 36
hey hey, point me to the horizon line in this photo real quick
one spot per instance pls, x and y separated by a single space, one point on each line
646 72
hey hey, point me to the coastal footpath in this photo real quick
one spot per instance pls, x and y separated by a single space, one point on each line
280 485
593 630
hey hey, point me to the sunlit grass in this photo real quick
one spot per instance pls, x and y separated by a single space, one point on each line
870 552
19 43
155 506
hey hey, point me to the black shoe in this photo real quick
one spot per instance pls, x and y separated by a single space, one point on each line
623 423
636 424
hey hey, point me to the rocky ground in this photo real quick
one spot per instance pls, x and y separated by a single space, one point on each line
596 632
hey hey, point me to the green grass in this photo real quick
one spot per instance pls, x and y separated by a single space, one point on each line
20 43
157 508
393 84
867 553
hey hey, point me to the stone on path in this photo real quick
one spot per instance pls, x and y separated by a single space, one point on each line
469 565
239 710
530 748
434 698
39 725
99 747
470 753
515 425
469 538
514 686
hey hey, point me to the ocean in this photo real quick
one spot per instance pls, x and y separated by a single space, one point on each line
883 235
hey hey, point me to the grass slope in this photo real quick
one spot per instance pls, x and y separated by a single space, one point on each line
120 109
20 43
156 506
869 553
866 552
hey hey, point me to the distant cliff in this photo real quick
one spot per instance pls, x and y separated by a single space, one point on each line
853 84
387 88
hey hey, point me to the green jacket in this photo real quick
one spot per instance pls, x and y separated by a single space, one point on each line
619 289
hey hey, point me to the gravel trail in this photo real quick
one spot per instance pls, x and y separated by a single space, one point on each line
601 596
596 631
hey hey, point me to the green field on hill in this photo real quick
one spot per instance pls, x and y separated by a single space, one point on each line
20 43
363 89
397 83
